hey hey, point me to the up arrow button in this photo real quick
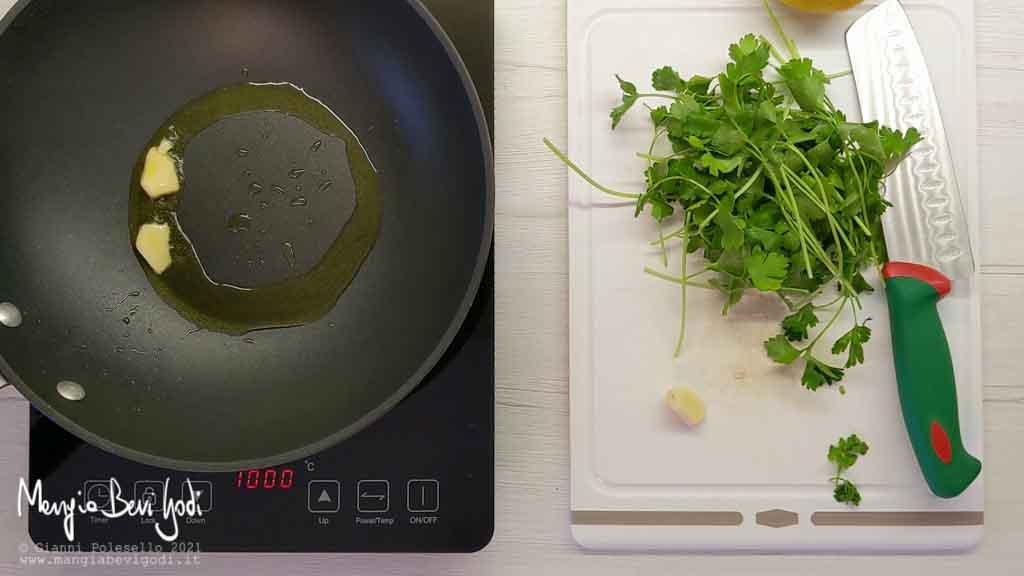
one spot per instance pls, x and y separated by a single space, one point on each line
324 496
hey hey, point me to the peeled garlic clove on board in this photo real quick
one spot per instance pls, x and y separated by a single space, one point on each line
686 404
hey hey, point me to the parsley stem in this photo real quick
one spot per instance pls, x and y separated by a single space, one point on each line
750 183
661 236
835 76
830 304
798 224
861 224
657 95
679 232
679 178
682 291
652 158
708 220
676 279
863 203
661 242
790 45
772 49
810 347
812 296
837 231
658 241
813 242
565 160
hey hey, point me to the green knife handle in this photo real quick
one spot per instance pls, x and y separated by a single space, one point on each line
925 377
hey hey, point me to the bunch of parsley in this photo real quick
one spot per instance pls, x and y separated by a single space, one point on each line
774 186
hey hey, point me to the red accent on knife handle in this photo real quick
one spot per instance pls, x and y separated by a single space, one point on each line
937 280
940 443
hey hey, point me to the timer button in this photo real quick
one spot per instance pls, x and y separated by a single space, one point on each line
97 491
324 496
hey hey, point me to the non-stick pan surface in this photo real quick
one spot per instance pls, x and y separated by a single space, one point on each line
86 84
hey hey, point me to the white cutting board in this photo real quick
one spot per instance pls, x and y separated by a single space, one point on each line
642 481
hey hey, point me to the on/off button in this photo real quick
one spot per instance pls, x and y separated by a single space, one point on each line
423 496
324 496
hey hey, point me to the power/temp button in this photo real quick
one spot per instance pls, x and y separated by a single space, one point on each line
423 496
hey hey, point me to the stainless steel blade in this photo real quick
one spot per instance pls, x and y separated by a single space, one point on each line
927 223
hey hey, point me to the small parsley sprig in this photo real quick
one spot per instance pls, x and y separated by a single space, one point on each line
844 455
774 186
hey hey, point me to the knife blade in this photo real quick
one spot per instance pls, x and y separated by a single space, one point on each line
927 240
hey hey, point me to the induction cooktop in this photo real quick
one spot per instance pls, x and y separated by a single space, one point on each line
421 479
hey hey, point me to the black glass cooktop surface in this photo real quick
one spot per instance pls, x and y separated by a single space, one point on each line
421 479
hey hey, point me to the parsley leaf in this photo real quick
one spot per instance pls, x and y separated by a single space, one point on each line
667 79
684 107
730 263
844 454
853 340
661 209
780 350
628 88
718 166
806 83
896 144
796 326
818 374
767 269
732 235
659 115
698 85
749 58
866 136
727 139
861 285
629 98
733 287
770 240
847 493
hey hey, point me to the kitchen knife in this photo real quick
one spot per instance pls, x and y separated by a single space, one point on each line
926 238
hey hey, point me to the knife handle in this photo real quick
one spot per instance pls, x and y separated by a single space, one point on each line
925 377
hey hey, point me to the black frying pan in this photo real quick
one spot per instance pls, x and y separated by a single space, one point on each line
86 85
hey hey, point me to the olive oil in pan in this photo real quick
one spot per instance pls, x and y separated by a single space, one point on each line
208 282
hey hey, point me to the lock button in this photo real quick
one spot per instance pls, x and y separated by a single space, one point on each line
151 492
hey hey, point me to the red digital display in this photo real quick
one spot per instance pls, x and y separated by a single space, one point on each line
267 479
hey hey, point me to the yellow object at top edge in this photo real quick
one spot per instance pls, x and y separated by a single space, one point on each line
821 6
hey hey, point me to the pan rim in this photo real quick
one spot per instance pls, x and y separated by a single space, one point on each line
431 360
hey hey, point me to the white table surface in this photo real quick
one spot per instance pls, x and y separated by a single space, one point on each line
532 533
